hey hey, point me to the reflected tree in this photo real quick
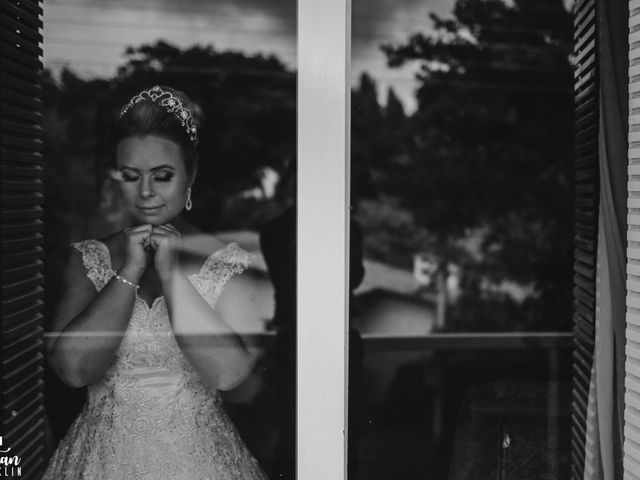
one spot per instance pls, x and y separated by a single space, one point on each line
483 169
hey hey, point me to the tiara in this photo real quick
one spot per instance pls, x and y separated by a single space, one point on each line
171 104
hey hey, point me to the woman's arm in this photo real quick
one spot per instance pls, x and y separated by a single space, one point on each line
207 336
87 327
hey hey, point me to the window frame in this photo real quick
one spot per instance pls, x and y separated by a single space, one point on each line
324 35
323 138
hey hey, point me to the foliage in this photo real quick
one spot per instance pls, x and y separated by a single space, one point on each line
489 148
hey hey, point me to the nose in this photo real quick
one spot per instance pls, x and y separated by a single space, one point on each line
146 188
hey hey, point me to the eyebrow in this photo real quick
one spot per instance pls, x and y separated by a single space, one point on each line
154 169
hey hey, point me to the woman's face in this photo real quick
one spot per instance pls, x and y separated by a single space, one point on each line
153 178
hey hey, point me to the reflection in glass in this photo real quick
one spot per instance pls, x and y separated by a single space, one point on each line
278 246
461 171
236 64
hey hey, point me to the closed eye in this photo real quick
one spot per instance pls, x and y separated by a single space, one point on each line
129 178
166 177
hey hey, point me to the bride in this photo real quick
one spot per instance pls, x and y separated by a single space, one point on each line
146 320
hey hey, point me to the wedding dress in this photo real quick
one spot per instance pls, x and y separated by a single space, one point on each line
151 416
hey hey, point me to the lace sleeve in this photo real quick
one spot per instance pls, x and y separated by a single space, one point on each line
219 268
95 258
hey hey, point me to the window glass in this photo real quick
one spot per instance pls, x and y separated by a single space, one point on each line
236 61
462 195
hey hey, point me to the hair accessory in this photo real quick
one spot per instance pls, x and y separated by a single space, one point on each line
171 104
189 203
127 282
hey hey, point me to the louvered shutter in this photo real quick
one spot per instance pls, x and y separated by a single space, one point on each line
586 218
632 364
22 254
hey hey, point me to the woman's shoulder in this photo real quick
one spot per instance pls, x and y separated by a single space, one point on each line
89 247
212 253
100 253
91 258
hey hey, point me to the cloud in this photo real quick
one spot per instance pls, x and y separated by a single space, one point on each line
280 11
92 31
374 21
378 21
90 35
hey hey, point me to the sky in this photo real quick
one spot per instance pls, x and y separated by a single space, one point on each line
90 36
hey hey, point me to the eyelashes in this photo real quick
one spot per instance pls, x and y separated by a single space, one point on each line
166 177
163 177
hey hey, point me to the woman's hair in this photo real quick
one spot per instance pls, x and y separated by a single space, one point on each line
148 117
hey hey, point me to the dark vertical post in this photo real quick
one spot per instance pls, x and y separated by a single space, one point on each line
586 94
21 199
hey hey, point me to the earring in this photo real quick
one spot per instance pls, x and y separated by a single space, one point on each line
189 203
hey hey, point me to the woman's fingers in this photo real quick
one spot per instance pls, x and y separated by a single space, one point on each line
165 240
141 234
160 235
137 240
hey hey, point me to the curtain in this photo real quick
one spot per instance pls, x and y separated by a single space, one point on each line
603 455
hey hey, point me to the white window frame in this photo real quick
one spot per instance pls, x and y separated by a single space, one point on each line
324 35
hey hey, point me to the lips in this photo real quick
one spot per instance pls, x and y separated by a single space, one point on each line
150 210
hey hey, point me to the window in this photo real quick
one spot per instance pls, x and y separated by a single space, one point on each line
323 152
236 60
462 183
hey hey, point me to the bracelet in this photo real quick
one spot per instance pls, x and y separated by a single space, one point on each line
127 282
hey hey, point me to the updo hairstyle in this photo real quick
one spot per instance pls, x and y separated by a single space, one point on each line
147 117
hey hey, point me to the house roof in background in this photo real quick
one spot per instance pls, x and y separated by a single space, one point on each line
377 276
380 276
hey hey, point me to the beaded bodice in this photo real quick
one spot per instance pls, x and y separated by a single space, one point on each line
151 415
149 340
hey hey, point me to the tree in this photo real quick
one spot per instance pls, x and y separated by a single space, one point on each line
489 152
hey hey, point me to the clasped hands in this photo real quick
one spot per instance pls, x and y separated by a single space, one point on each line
162 242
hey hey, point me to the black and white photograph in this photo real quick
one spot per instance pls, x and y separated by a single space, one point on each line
333 240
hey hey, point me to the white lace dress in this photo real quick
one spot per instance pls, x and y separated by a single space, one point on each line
150 416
